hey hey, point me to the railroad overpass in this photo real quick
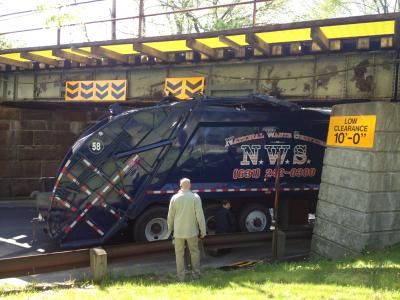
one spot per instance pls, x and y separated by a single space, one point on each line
316 62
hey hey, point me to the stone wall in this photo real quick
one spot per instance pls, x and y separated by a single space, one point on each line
359 198
34 141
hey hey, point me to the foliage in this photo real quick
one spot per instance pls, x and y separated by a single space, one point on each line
375 6
371 276
321 9
59 13
56 14
217 18
5 43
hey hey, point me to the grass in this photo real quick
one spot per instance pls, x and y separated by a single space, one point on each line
371 276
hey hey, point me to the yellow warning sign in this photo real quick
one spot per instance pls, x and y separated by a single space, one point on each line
184 87
352 131
95 90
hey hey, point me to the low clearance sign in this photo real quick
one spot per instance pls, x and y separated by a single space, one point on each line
352 131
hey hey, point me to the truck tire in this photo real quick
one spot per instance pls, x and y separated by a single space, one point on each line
209 215
151 225
254 218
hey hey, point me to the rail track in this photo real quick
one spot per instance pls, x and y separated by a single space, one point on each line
66 260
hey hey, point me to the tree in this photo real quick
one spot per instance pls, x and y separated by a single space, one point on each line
377 6
60 13
217 18
317 9
5 43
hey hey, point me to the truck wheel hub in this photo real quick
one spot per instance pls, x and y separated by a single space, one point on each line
211 224
156 229
256 221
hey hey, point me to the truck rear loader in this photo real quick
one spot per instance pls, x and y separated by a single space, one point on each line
121 173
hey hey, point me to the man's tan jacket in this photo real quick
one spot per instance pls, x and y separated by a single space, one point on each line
186 216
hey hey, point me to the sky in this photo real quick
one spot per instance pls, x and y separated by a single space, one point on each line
99 11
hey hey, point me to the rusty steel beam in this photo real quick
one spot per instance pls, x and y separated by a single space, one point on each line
57 261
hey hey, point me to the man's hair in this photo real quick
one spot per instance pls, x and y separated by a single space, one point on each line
185 184
225 202
184 180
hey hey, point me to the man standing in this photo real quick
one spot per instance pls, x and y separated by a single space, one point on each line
225 219
185 220
225 223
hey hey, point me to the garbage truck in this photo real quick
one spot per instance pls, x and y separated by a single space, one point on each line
121 172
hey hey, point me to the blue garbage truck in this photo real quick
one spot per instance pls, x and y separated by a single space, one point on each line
121 173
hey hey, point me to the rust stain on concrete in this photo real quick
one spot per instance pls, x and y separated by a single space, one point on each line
275 89
307 88
326 74
363 82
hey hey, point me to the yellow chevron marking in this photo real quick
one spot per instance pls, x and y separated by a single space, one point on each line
183 88
88 90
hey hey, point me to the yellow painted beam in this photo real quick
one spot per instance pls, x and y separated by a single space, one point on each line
103 52
74 57
258 44
169 46
144 49
42 59
320 38
285 36
237 48
201 48
16 63
86 53
359 29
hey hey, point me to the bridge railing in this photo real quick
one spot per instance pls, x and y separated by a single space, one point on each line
60 34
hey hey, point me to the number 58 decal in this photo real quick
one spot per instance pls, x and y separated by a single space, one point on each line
96 146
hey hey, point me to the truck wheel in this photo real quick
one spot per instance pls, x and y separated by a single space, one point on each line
255 218
151 225
209 215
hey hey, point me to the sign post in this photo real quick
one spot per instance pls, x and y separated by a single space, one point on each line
278 236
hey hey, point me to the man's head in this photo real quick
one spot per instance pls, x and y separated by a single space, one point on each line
226 204
185 184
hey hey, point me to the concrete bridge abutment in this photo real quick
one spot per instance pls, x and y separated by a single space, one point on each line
359 199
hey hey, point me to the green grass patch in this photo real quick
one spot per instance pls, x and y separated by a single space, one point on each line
371 276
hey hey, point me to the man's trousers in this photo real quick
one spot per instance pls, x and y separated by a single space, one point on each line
193 245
